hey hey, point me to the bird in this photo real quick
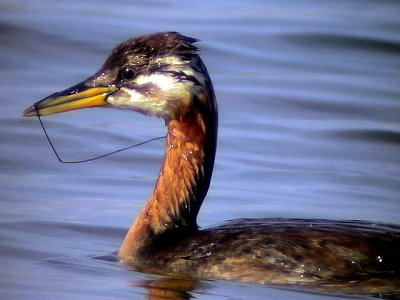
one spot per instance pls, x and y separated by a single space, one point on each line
162 75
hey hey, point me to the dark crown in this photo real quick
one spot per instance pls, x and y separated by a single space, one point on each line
154 45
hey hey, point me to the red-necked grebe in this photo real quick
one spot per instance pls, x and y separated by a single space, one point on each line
162 75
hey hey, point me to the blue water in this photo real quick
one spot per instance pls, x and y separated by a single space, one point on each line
309 103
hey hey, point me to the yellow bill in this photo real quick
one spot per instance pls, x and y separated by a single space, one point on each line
76 97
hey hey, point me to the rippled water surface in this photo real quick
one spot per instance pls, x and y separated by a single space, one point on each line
309 102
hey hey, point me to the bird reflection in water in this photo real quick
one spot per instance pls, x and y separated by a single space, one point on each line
169 288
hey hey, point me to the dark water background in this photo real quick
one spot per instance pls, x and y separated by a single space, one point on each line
309 102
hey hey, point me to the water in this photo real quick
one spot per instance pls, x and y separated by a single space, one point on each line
309 107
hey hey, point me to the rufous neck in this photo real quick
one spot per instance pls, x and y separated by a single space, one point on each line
184 179
182 183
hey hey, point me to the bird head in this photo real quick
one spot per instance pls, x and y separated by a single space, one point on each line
157 74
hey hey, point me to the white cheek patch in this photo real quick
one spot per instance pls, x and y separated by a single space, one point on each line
142 103
156 94
163 82
125 98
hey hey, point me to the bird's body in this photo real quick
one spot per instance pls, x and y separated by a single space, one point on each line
336 256
162 75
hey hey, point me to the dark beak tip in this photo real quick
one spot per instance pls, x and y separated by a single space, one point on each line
29 112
